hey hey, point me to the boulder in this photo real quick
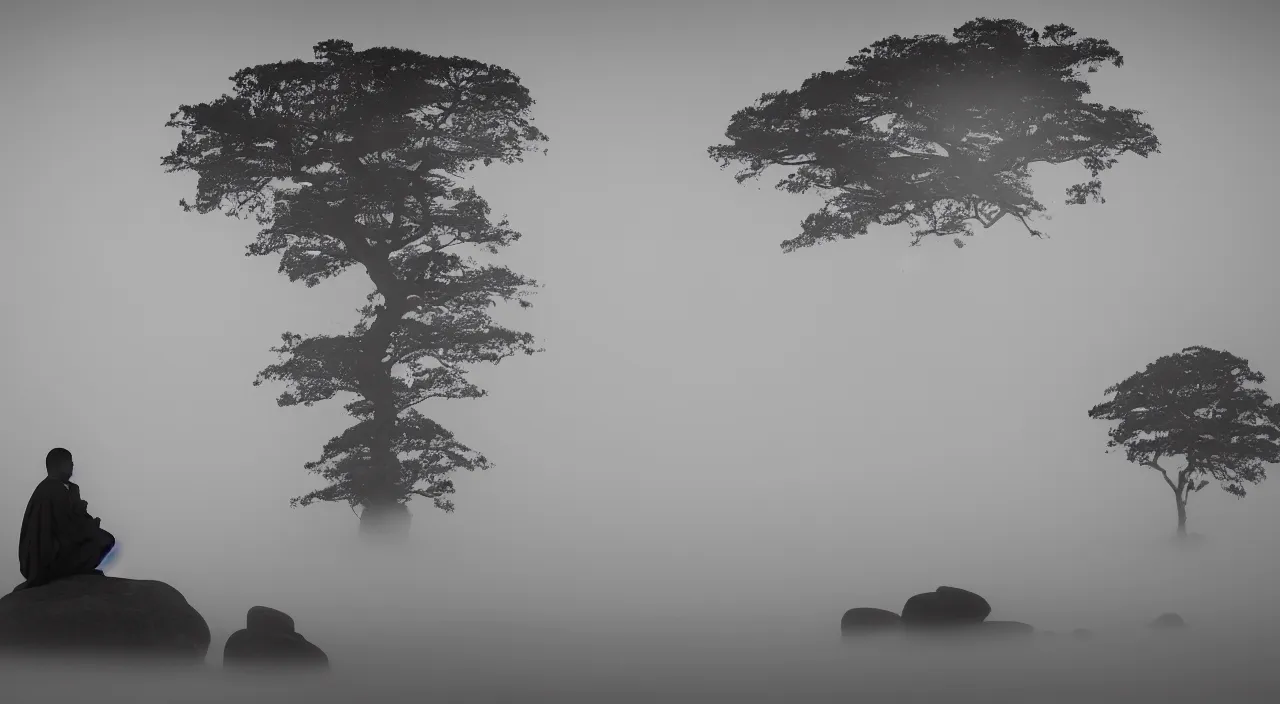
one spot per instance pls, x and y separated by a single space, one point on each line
1082 634
264 619
867 620
98 616
1168 621
269 639
945 607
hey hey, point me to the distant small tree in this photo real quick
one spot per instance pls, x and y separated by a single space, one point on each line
354 160
1198 404
938 134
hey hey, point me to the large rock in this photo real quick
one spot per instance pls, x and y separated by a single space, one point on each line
867 620
945 607
269 640
100 616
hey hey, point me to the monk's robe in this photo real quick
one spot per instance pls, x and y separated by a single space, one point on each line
59 538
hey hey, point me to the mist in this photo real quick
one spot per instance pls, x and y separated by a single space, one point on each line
723 447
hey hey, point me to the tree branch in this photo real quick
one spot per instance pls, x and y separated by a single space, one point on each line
1155 464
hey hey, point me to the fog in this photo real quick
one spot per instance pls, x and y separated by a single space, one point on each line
723 447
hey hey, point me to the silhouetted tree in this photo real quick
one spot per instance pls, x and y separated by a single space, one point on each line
1197 404
936 133
354 159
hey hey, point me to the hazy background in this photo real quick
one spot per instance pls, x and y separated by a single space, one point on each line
719 436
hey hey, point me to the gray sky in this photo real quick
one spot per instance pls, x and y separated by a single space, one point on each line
716 428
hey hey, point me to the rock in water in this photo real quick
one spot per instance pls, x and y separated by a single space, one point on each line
946 606
866 620
99 616
270 640
1168 621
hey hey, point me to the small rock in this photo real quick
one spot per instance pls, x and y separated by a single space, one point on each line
269 639
867 620
264 619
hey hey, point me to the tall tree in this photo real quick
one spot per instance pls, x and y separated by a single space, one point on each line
938 134
1202 405
355 159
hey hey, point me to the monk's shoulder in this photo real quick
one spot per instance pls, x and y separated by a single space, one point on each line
49 489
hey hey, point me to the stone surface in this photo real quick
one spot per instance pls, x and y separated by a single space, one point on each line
96 615
944 607
265 618
269 640
867 620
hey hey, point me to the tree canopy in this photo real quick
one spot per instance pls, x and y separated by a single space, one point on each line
356 158
1204 406
938 134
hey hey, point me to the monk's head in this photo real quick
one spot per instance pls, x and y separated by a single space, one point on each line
58 463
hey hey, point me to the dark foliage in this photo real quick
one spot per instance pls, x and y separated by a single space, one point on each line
1204 406
938 134
355 159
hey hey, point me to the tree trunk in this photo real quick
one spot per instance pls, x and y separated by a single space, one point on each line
382 495
385 514
379 489
385 521
1182 514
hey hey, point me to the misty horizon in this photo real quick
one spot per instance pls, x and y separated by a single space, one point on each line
721 443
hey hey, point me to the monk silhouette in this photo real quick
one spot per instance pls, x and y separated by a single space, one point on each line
59 538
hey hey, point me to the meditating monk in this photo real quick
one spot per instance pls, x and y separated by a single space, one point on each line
59 538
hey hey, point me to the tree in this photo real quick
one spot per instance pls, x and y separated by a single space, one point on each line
355 159
938 134
1198 404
